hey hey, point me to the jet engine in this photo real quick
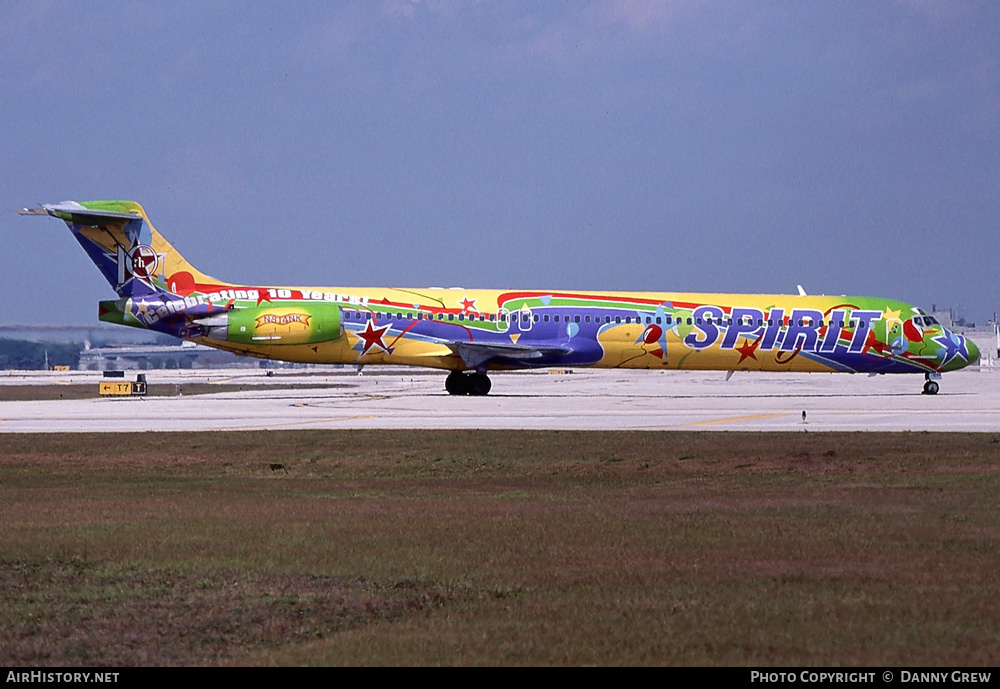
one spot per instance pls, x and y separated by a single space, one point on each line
276 325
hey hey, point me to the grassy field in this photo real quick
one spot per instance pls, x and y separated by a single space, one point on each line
495 548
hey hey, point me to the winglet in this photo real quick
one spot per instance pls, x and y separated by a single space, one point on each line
802 292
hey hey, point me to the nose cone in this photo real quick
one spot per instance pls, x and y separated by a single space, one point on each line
955 351
973 352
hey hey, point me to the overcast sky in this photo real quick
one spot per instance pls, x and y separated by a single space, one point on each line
852 147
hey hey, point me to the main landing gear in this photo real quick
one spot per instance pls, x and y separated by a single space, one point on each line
461 383
930 386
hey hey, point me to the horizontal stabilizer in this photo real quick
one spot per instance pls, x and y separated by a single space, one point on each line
74 208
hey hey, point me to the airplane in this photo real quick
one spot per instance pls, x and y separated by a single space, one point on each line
472 332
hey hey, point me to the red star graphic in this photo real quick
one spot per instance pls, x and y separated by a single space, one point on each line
144 261
372 337
468 305
748 350
262 296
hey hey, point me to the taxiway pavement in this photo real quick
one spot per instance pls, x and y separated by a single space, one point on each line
581 400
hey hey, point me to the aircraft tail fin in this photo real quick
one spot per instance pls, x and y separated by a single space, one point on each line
134 258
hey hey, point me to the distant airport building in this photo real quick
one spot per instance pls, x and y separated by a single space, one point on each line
143 357
98 332
986 337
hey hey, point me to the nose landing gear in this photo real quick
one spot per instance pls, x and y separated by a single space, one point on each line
931 387
461 383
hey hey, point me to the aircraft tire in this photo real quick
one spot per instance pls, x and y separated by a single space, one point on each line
457 383
931 387
479 384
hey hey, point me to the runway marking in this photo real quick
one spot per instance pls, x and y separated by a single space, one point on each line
734 419
303 422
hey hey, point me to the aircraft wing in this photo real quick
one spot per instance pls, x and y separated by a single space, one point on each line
476 353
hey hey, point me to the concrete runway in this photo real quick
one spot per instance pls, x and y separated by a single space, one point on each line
581 400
